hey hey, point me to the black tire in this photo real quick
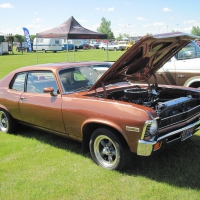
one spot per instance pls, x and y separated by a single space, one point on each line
115 49
43 50
7 123
108 151
103 48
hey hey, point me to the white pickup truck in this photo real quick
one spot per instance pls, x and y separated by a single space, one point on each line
114 47
181 69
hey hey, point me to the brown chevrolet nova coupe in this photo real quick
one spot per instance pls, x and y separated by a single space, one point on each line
110 113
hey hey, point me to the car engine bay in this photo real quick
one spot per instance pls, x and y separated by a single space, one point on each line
172 105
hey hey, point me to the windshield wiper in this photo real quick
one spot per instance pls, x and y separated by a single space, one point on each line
82 88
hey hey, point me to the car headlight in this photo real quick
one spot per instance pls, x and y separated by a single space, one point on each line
153 127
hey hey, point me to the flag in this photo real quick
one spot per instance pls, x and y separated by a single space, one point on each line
27 36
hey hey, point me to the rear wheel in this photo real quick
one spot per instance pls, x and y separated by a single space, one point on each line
115 49
108 151
43 50
7 123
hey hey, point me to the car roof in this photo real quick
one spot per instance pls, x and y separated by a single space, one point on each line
58 66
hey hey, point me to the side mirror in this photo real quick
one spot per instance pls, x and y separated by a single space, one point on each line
49 90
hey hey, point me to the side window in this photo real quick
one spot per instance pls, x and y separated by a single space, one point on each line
188 52
38 80
18 82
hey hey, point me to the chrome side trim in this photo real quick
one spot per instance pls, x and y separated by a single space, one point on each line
130 128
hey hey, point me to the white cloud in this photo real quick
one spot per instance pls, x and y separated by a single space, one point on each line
6 5
97 8
158 24
189 22
7 31
38 20
140 18
32 26
146 25
36 13
122 19
110 9
167 10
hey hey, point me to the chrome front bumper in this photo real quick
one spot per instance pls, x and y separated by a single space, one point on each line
145 148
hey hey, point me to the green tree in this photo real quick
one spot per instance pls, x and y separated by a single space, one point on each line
122 36
105 28
195 30
32 37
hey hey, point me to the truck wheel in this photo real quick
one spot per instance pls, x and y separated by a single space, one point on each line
43 50
103 48
115 49
107 150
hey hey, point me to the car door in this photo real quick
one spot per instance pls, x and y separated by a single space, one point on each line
166 74
13 94
187 63
39 108
181 67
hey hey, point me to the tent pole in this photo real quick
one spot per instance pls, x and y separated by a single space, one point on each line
107 51
67 49
36 52
74 50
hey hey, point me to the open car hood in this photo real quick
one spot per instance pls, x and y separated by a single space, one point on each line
144 58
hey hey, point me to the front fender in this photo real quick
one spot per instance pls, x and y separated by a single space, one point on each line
104 122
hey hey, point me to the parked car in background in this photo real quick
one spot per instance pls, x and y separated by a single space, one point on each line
94 45
108 113
86 46
123 43
129 45
24 47
182 69
198 42
114 47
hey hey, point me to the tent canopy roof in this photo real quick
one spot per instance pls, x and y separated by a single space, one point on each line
71 29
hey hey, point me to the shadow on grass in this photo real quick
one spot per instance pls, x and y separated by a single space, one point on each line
178 165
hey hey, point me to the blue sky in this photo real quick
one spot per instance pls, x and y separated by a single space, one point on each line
135 18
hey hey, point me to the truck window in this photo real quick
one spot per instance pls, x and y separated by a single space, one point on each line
192 50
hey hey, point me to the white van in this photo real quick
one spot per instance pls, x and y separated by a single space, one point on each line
47 44
3 48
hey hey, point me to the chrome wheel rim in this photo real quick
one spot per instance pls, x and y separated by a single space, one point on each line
3 122
105 151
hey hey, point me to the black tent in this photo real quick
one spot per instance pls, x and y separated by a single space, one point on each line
70 29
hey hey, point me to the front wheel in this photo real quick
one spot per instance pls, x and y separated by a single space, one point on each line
7 123
107 150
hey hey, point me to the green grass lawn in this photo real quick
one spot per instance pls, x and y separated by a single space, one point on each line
38 165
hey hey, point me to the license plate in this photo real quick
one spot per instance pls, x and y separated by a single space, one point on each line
187 133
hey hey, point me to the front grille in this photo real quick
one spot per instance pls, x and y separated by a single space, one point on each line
181 117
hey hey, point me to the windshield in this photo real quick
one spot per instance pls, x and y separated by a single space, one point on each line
81 78
192 50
